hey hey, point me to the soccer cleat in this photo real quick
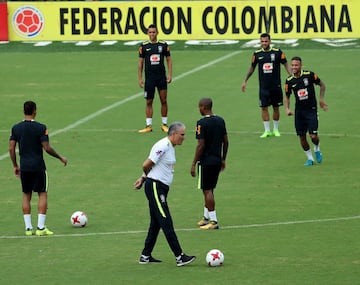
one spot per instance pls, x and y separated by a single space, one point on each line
44 232
148 259
266 135
29 232
203 222
147 129
309 162
212 225
276 133
318 156
184 259
164 128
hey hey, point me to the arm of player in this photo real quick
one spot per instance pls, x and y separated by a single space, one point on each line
322 103
169 69
248 75
12 154
147 165
198 152
140 71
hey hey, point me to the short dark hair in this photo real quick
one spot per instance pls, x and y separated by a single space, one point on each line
265 35
297 58
29 107
152 26
206 102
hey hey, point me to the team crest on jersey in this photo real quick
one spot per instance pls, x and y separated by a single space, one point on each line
159 152
306 82
160 49
272 56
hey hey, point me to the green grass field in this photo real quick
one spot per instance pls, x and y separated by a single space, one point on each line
281 223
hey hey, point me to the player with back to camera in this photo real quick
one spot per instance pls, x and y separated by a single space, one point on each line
210 156
158 173
152 54
301 83
268 60
32 138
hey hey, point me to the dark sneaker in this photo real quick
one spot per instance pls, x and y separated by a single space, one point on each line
148 259
185 259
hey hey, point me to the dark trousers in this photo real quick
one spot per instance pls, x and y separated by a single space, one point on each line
160 218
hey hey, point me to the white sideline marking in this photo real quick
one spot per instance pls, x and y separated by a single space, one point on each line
197 229
130 98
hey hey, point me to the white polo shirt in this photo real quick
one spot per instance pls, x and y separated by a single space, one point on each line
163 156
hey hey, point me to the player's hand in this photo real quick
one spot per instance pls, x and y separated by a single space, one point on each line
17 171
63 160
243 86
141 83
289 112
192 170
138 183
324 106
169 79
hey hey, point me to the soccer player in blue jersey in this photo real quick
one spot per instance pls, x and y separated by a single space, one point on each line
152 54
32 138
269 60
301 83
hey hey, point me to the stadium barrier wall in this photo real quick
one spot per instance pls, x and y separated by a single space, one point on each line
182 20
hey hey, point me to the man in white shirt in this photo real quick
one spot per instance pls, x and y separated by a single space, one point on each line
158 173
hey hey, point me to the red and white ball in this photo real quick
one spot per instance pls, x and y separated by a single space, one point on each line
214 258
78 219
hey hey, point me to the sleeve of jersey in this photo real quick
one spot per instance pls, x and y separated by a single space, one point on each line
199 131
157 151
166 50
44 134
141 54
315 78
287 89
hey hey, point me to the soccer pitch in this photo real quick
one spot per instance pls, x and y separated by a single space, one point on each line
280 222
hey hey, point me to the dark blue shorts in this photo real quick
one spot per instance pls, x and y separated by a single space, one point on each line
208 176
151 85
270 97
36 181
306 121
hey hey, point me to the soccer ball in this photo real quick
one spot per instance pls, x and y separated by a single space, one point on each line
214 258
78 219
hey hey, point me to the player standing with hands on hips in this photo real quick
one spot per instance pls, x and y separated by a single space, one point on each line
158 173
268 60
301 83
32 138
210 156
151 55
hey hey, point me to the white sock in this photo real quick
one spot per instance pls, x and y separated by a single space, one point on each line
267 126
27 220
164 120
212 215
148 121
206 213
317 147
276 125
41 221
309 155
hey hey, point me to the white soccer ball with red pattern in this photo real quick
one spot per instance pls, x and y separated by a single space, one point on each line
78 219
214 258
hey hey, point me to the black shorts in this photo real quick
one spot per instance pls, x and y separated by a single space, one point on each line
36 181
306 121
271 97
208 176
151 84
